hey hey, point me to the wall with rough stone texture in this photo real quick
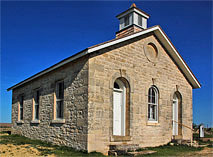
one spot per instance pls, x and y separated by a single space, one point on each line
128 60
74 131
89 95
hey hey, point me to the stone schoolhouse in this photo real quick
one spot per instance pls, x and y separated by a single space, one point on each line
134 90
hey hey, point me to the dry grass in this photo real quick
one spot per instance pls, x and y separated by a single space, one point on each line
15 145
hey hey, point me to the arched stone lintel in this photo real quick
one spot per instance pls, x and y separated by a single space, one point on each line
175 90
153 83
117 75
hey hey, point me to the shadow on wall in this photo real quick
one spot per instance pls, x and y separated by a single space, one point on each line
75 77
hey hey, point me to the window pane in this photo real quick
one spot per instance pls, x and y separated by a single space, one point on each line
150 91
37 97
149 111
153 112
61 90
21 101
139 20
149 99
153 99
59 109
150 95
126 20
21 107
175 97
153 92
36 111
21 114
36 105
153 104
116 86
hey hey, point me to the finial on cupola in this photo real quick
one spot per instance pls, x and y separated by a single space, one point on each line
133 5
132 20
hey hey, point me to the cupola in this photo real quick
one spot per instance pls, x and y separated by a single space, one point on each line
131 21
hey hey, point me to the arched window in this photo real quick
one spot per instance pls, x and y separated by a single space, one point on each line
153 104
116 86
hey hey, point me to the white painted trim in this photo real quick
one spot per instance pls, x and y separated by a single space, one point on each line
158 33
122 90
48 70
152 121
34 103
154 29
117 90
156 104
144 23
124 111
175 113
133 10
142 14
121 40
179 57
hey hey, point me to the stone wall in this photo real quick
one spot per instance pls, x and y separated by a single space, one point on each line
89 95
74 131
128 60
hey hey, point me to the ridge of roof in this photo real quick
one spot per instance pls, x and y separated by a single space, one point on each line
119 38
159 32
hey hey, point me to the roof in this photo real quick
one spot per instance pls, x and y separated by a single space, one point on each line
134 8
158 32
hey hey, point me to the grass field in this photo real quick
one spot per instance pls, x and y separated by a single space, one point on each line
43 147
13 144
168 150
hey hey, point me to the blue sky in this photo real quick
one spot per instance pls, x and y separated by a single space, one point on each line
36 35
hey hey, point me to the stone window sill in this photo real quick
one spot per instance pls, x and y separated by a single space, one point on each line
58 121
153 123
35 121
120 138
20 122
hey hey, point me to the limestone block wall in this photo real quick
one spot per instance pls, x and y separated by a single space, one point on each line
74 131
88 98
128 60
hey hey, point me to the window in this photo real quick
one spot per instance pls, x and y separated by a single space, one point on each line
36 105
59 100
21 113
126 20
116 85
153 104
139 20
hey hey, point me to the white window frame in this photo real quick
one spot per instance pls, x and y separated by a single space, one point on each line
128 19
59 100
36 103
141 18
153 104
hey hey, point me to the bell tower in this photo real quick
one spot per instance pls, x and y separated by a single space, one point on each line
132 20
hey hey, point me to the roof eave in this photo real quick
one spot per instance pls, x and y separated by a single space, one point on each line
158 32
53 67
169 46
177 57
133 9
